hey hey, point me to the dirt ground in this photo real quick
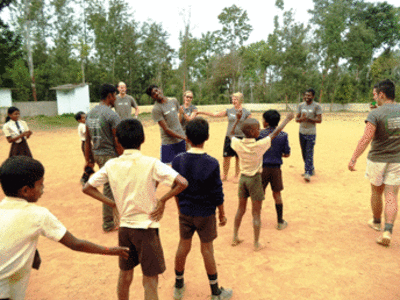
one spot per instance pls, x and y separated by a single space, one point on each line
326 252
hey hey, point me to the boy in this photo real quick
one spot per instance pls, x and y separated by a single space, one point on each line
197 206
22 222
250 153
81 118
133 178
272 162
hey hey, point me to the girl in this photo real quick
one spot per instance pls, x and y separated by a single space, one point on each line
16 132
237 101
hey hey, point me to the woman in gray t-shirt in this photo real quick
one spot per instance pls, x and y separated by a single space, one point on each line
190 111
237 100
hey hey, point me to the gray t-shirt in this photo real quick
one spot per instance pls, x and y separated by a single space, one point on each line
123 106
169 113
385 146
188 111
231 114
311 111
101 120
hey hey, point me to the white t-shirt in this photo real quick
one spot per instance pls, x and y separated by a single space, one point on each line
250 153
132 177
82 131
10 129
21 224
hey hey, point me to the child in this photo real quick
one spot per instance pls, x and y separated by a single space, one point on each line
22 222
16 132
133 178
272 162
81 118
250 153
197 206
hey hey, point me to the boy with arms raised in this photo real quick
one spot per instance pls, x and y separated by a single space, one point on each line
133 177
197 205
272 161
22 222
251 153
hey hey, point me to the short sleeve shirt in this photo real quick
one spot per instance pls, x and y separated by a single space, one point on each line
21 224
82 131
250 153
100 121
385 146
132 177
169 113
123 106
10 129
187 111
312 111
231 114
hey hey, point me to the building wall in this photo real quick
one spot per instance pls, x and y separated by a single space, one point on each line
5 98
72 101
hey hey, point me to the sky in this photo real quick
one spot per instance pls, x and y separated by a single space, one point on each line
203 14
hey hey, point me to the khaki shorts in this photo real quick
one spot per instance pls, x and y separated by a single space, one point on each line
205 226
383 173
145 249
251 186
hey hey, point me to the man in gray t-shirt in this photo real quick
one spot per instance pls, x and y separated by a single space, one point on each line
100 146
309 113
124 103
166 113
383 161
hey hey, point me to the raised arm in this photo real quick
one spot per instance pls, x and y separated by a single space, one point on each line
76 244
278 129
210 114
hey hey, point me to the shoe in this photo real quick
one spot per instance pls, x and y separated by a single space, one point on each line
312 173
373 225
307 177
225 294
178 293
384 240
282 225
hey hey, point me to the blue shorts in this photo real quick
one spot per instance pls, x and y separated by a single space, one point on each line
168 152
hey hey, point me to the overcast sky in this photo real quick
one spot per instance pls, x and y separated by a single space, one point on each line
204 15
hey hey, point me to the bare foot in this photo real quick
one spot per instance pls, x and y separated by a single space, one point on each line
235 179
224 178
236 242
259 246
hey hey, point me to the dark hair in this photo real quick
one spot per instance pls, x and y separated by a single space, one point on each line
311 91
130 134
78 115
11 110
150 88
19 171
272 117
106 89
388 88
197 131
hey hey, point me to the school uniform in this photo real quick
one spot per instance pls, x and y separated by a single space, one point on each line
20 146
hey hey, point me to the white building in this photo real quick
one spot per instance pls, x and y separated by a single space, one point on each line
72 98
5 97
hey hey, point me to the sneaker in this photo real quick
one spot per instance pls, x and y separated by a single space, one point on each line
307 177
384 240
178 293
373 225
312 173
282 225
225 294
